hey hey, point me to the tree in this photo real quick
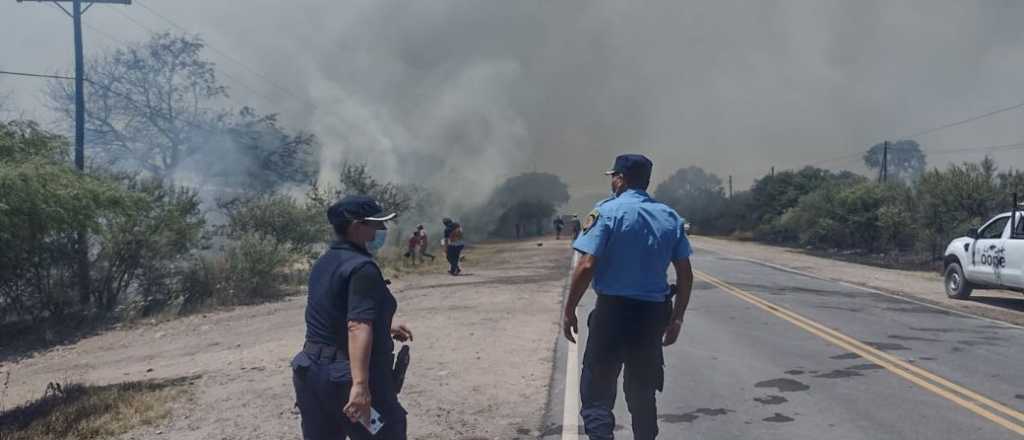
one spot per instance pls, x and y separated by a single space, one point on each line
905 160
155 107
529 200
956 198
697 195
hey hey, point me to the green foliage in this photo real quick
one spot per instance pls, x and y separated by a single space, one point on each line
774 195
698 196
297 227
43 204
822 209
865 216
140 248
961 196
255 268
138 230
530 200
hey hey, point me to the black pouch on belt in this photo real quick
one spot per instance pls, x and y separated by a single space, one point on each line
401 366
669 305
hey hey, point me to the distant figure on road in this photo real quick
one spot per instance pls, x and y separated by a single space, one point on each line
627 245
453 245
575 226
559 225
424 242
345 365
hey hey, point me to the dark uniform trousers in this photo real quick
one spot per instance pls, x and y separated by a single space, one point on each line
624 333
322 385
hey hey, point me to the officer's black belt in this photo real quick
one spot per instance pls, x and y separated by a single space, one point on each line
619 299
322 352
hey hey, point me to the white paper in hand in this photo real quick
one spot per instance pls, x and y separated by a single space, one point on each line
374 423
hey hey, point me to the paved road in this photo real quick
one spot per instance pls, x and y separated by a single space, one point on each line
772 354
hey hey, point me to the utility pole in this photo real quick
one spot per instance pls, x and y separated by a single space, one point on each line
885 162
730 186
76 18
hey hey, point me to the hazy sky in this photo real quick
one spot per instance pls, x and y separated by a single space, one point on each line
467 92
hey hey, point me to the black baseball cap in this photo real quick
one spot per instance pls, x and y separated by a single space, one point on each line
634 166
353 208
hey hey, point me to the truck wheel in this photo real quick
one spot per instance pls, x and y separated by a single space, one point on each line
957 286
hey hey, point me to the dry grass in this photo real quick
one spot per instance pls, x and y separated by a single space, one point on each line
396 266
84 412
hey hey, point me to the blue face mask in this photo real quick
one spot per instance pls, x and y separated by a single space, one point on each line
379 238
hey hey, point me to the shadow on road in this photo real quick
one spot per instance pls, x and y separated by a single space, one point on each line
1015 304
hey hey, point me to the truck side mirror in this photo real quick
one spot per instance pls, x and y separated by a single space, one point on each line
973 232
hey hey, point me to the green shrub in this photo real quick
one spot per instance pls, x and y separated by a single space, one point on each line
299 228
141 249
44 203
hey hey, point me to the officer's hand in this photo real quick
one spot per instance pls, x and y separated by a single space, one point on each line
672 333
358 406
401 333
569 325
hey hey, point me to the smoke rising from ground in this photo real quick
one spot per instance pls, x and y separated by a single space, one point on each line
461 94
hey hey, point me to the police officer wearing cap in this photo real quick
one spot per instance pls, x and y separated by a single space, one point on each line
628 243
345 366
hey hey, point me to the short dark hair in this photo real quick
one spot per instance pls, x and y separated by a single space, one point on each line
641 185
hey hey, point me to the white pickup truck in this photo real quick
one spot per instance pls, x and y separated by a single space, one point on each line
990 257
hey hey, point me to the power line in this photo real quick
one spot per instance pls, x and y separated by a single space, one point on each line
227 56
133 20
35 75
964 121
991 148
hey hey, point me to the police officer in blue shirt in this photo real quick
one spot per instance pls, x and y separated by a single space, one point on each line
345 366
627 245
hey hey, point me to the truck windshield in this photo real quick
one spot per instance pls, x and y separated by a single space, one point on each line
994 229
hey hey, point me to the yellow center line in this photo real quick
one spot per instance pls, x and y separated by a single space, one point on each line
955 393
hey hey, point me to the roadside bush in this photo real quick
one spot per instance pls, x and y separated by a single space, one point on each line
251 270
139 231
141 248
255 269
299 228
867 216
43 205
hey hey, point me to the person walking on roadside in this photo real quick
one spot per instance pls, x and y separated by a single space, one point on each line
575 226
627 244
453 245
424 242
559 224
345 366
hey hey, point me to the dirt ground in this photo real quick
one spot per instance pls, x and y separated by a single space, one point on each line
481 361
922 286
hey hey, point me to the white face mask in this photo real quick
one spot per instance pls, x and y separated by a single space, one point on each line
379 238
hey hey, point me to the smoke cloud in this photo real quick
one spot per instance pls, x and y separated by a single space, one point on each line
461 94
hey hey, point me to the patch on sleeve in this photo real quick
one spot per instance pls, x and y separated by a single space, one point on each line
591 220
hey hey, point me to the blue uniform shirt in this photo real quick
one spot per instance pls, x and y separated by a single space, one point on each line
634 238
